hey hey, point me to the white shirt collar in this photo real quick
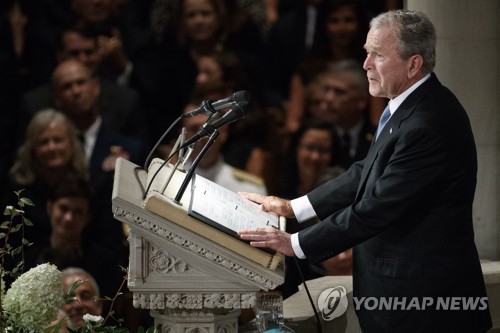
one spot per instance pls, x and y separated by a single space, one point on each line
91 137
396 102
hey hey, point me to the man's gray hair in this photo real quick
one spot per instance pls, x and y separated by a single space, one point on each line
415 34
354 71
71 271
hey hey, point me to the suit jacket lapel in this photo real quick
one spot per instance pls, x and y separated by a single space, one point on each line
403 112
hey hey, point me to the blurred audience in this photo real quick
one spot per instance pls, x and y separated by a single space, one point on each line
346 105
12 22
70 212
119 105
75 92
201 28
88 296
128 53
309 153
289 36
50 151
213 166
340 32
220 75
310 157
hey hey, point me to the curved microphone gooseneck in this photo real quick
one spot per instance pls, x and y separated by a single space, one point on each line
190 173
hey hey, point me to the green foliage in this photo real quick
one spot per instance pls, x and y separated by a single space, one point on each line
15 224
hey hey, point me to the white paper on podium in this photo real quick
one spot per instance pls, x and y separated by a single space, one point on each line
227 210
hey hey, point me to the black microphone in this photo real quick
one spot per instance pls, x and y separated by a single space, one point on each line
208 107
235 113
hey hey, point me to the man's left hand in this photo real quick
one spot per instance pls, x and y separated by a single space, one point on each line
271 238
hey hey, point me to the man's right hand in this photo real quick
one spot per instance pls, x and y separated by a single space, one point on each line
279 206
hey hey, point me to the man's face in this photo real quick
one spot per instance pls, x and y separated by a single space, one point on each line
81 48
387 72
86 302
343 103
68 217
75 91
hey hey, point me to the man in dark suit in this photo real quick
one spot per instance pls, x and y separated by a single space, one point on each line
119 105
76 94
406 208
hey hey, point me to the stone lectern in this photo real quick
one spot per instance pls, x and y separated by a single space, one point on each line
192 277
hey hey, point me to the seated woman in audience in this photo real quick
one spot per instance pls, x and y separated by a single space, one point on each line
51 150
310 152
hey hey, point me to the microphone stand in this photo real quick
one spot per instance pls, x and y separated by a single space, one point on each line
180 162
197 160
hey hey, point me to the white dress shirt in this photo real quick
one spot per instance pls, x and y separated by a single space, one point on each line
90 137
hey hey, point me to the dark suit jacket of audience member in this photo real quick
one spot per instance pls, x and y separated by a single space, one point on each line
366 135
283 51
120 107
104 228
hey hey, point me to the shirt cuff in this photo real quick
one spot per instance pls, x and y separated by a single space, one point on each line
302 209
296 246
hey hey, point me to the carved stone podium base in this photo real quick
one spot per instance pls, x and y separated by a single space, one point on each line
189 282
217 321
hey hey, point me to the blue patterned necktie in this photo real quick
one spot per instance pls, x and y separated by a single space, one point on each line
383 120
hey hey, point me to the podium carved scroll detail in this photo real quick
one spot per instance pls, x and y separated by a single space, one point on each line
216 258
155 301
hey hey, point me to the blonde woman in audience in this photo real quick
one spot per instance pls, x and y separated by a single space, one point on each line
51 150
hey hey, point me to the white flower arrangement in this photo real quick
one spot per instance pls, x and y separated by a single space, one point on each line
33 300
91 318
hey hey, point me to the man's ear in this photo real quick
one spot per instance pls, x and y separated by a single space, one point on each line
414 65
